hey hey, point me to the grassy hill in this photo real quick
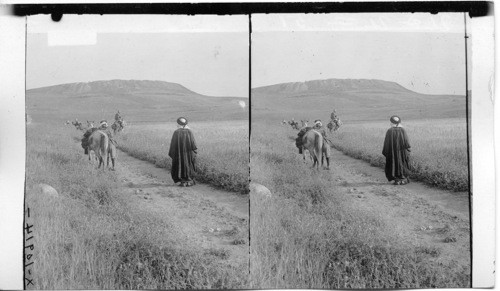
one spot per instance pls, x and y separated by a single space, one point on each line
138 101
354 99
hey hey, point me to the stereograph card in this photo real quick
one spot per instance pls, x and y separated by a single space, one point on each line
247 146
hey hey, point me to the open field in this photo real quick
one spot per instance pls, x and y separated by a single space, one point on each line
98 235
375 101
343 228
347 228
222 158
439 148
139 102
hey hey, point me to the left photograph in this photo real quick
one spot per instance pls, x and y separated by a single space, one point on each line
137 173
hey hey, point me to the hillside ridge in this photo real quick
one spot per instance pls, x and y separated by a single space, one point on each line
332 85
114 86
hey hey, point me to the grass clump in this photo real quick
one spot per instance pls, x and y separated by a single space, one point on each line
351 263
146 266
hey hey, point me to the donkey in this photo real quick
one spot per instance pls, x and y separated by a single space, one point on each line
103 149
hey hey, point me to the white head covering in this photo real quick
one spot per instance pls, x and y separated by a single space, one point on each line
395 119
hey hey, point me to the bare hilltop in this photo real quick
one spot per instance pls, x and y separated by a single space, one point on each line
332 85
115 86
138 101
354 100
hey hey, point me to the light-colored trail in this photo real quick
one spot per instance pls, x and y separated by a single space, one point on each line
198 217
419 214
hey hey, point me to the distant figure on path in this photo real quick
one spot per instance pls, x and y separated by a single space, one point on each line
397 153
335 122
334 116
294 124
77 124
118 116
183 152
119 121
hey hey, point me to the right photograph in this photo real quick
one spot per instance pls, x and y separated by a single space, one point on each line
359 160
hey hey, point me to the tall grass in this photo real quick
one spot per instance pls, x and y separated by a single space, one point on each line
222 158
90 238
309 235
438 149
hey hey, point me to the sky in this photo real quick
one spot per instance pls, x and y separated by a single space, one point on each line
209 54
422 52
206 54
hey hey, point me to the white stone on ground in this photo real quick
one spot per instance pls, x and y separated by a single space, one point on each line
45 189
259 189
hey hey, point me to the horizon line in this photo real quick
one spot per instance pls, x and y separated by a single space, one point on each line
288 82
147 80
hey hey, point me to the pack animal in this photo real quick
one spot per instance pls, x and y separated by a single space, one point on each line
102 148
313 142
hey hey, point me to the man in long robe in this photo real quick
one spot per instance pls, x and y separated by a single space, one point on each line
397 153
183 153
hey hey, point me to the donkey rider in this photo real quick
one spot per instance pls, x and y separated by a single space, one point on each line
119 119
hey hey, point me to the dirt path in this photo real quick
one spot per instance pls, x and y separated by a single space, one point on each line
201 217
421 215
205 218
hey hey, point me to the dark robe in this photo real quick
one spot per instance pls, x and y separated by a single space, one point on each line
397 154
183 153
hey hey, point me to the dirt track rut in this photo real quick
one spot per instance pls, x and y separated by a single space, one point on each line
421 215
206 218
198 217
